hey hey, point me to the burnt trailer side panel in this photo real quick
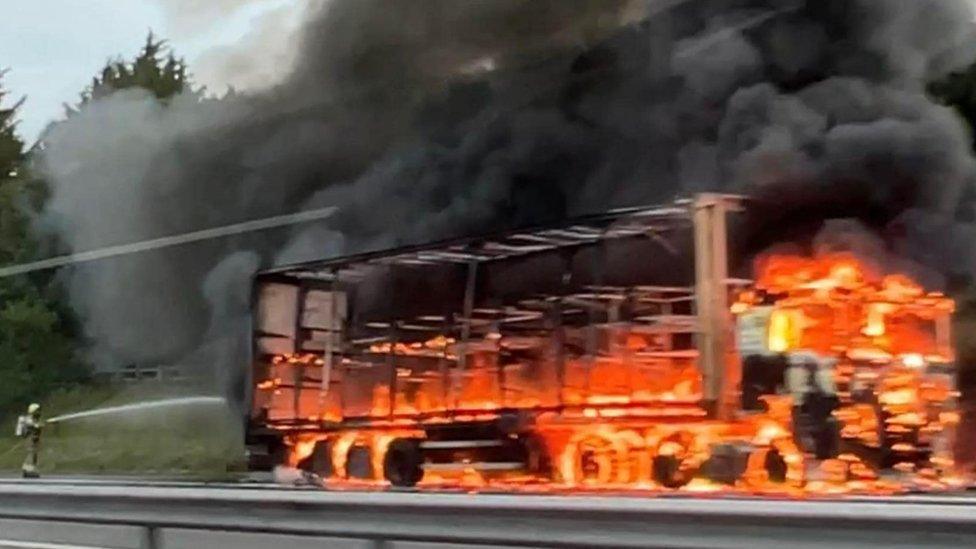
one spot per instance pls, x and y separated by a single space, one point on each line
428 284
282 303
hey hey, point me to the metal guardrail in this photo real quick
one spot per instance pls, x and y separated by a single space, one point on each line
157 517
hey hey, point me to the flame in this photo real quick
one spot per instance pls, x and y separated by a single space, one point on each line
628 414
913 360
836 305
875 320
885 332
301 449
784 330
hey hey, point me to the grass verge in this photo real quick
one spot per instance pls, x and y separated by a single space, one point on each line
198 441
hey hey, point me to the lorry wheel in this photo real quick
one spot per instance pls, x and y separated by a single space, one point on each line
670 466
775 465
320 460
668 473
403 463
359 463
727 462
597 461
536 456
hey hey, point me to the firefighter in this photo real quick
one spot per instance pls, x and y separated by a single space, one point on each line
810 374
32 432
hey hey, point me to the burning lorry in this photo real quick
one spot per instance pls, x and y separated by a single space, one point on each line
583 356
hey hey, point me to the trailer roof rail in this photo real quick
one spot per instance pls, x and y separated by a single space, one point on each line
580 231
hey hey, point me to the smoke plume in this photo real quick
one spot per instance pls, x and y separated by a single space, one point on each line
424 120
261 57
191 17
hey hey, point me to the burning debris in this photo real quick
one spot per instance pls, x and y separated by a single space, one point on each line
295 477
841 379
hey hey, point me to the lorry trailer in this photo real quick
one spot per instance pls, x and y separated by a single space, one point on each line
600 353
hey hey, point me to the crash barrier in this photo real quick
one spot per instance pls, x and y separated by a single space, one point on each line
153 517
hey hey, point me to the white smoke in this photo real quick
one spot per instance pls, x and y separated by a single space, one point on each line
259 57
186 18
262 58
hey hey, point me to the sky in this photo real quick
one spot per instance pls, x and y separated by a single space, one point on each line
52 48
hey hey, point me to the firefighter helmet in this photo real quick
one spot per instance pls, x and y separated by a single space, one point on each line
34 408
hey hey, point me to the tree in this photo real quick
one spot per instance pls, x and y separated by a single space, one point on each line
155 69
11 147
36 348
13 222
38 335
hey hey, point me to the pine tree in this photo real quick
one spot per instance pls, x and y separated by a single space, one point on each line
36 351
155 69
12 221
11 147
37 332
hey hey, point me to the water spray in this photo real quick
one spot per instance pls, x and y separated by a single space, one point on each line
151 405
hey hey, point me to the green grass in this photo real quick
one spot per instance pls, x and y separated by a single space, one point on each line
201 442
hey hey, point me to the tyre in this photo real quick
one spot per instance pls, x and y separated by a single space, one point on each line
320 460
597 461
667 472
775 465
671 466
359 463
403 463
727 463
537 460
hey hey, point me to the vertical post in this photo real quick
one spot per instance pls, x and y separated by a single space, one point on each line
394 338
943 335
624 314
560 343
150 538
343 375
469 291
299 370
333 330
667 310
591 343
443 368
719 371
599 278
613 321
496 348
297 380
560 330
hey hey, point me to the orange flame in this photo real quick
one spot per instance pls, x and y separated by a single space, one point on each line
629 414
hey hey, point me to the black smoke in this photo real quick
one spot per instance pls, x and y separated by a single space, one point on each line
424 120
